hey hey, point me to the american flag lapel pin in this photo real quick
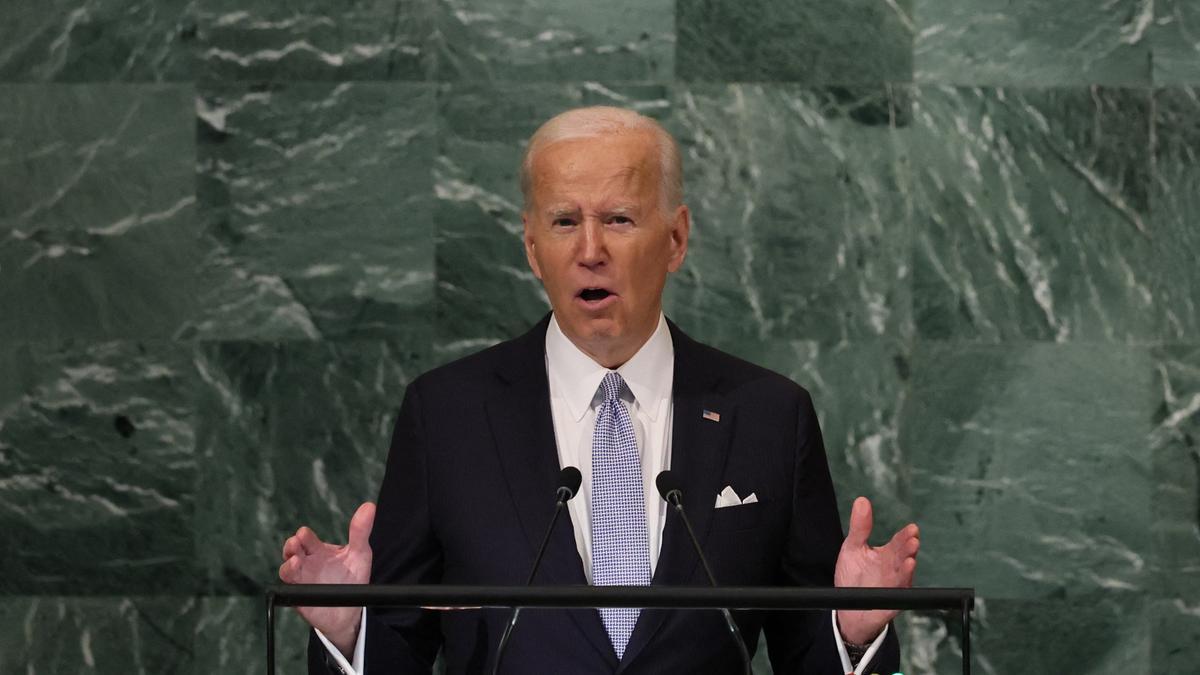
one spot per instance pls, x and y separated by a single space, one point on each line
711 416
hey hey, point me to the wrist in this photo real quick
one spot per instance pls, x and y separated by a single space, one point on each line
346 640
854 634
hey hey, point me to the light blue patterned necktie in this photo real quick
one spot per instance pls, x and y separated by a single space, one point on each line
620 547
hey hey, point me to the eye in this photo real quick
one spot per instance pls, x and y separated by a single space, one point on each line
563 222
620 220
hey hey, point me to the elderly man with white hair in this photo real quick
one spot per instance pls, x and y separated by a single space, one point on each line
607 384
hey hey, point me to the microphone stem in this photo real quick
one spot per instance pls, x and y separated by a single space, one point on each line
558 507
729 622
695 542
516 611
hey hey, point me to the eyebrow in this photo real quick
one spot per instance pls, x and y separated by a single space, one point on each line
617 210
562 211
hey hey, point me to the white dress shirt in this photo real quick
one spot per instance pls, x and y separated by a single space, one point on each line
574 380
574 394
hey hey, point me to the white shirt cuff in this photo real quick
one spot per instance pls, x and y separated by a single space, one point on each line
355 667
858 668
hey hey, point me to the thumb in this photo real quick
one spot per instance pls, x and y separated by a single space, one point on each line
861 521
360 525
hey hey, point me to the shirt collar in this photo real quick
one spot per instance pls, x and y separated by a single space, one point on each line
648 373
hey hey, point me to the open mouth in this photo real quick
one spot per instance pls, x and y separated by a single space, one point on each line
594 294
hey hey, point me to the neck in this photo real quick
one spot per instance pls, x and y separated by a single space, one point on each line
611 359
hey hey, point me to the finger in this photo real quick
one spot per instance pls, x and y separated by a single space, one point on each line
291 547
360 526
861 520
911 547
289 571
904 536
308 540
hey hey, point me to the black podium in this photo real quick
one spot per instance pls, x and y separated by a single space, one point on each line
662 597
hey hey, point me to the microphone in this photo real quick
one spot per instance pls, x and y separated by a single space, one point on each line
568 486
669 490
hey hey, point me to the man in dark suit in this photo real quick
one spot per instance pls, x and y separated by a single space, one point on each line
607 384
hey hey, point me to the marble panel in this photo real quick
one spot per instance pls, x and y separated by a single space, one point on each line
1175 636
290 434
1032 42
97 40
1031 467
230 637
551 40
97 222
97 636
96 469
314 40
812 42
1175 213
316 202
1176 42
1176 462
858 389
486 292
799 213
1097 633
1031 215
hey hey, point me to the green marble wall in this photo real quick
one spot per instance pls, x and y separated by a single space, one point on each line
230 234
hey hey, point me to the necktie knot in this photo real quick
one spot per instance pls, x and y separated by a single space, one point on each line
612 385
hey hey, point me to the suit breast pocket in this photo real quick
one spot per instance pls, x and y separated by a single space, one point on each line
741 517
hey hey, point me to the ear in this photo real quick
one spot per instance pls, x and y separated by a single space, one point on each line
530 252
681 228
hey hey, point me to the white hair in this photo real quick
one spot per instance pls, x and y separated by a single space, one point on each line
600 121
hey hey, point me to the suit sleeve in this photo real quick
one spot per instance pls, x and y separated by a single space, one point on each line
400 641
803 641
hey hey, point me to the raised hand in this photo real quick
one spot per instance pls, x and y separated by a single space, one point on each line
308 560
859 564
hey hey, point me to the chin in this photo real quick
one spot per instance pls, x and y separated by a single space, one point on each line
600 329
593 328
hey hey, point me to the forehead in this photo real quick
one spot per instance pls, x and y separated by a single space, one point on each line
596 166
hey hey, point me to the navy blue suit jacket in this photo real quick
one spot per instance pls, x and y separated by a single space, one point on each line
469 492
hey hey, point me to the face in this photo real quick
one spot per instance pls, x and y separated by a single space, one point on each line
599 238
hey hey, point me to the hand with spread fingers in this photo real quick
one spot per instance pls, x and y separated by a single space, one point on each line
860 564
308 560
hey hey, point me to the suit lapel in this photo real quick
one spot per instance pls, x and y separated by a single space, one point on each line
699 449
523 429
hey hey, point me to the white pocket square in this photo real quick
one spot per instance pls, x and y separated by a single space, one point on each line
730 498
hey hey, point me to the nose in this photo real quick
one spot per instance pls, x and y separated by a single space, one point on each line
592 251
